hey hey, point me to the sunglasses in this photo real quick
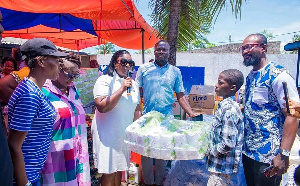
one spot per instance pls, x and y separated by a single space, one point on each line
249 46
71 76
125 62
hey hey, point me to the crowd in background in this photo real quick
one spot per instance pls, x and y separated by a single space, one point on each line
44 136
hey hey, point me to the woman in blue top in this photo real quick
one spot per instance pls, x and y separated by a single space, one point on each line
30 114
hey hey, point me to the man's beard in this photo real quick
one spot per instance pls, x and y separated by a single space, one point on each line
161 62
253 60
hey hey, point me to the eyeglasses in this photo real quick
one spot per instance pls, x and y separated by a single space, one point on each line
71 76
125 62
249 46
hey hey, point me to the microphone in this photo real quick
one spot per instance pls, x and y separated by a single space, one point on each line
129 74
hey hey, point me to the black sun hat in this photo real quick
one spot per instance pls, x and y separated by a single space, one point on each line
40 47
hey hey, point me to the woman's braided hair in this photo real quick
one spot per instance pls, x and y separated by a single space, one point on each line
74 58
30 62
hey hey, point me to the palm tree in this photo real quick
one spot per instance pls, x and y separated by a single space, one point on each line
182 21
200 42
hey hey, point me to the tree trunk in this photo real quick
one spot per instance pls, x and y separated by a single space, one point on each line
175 8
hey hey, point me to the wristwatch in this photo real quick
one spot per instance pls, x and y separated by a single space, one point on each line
285 152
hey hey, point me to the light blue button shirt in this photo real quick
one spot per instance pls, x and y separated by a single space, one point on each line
159 85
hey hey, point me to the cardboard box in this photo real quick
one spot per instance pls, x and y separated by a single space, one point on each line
202 96
177 110
204 111
202 89
202 101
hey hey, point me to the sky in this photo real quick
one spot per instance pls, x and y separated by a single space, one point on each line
279 17
276 16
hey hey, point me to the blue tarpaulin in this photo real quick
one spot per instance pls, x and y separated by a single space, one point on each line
15 20
190 75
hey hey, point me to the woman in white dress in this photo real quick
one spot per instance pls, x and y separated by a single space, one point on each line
115 111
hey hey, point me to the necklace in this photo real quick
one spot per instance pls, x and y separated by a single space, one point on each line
64 90
67 90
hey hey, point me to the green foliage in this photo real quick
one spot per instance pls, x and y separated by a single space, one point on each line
107 48
268 35
196 19
296 38
198 44
210 45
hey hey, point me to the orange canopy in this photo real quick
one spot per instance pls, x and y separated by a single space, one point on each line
74 40
116 21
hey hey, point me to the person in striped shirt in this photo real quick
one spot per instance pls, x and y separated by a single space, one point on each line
30 113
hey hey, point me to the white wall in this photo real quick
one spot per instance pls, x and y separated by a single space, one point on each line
215 63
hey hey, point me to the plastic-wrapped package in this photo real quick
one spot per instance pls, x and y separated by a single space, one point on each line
163 137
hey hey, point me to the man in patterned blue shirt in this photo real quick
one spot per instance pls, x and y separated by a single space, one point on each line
227 132
159 81
269 131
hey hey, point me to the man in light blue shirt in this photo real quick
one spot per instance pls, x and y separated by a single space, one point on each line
159 81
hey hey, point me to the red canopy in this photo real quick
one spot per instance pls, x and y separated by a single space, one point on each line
116 21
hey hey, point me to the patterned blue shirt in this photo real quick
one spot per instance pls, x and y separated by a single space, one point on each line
226 138
29 110
263 117
159 85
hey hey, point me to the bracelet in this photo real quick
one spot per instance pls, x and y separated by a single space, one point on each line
285 152
28 183
16 77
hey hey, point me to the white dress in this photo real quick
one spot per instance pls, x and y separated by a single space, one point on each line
108 129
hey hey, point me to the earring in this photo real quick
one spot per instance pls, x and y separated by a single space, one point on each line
42 63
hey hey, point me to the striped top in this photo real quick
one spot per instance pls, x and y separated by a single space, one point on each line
30 111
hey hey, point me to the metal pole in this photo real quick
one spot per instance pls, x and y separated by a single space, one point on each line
143 46
298 66
59 15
